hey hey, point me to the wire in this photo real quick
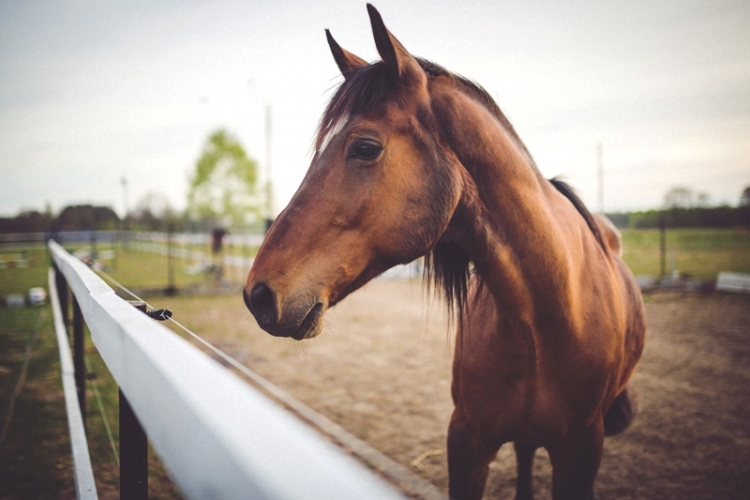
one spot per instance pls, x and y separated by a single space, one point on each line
100 404
265 384
120 286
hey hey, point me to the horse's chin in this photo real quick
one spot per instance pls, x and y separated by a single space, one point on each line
312 325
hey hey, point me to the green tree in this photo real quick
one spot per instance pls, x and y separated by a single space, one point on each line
223 186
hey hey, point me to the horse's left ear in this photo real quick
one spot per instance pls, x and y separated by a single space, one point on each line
398 60
347 62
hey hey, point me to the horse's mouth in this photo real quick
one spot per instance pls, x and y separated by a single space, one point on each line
312 325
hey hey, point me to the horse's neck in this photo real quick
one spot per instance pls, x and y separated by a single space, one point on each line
506 218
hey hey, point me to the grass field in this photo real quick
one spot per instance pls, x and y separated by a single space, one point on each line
702 253
35 457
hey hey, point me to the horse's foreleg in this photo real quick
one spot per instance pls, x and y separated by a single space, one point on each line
524 461
575 462
468 460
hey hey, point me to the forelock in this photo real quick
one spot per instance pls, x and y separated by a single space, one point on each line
361 93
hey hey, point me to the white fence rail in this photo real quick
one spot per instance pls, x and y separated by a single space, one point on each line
217 436
157 243
733 282
242 240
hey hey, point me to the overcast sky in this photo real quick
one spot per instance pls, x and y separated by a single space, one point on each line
94 92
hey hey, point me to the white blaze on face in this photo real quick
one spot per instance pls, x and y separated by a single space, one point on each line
332 132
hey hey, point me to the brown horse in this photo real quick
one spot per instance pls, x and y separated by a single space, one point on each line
412 160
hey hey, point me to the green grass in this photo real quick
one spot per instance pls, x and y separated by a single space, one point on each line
19 280
136 269
147 270
701 253
35 458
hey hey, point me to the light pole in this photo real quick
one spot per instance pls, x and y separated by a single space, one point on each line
269 185
267 210
124 227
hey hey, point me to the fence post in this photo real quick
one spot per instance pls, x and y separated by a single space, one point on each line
171 289
79 364
62 296
133 447
133 454
662 246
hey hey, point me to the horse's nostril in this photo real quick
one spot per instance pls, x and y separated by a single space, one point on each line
246 298
262 303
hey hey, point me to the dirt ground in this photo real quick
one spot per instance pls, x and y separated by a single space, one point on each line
381 369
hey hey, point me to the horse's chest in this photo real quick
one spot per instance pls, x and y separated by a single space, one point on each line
511 387
492 376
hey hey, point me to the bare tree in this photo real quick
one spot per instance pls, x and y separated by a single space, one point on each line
745 197
679 197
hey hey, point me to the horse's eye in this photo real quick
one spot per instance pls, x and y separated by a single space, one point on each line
365 149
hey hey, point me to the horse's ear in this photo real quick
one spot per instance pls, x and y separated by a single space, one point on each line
346 61
398 60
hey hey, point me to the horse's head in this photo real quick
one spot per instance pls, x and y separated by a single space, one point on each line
379 192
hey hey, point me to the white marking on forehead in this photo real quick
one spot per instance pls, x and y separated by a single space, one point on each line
332 132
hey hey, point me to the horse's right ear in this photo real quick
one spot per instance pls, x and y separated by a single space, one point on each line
399 61
347 62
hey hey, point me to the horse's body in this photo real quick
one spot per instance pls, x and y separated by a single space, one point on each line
412 160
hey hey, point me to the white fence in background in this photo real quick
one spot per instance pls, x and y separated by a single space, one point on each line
218 437
733 282
157 243
238 240
116 237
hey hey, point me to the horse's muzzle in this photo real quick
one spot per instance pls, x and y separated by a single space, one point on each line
298 321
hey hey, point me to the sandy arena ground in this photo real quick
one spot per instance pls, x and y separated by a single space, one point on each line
381 369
